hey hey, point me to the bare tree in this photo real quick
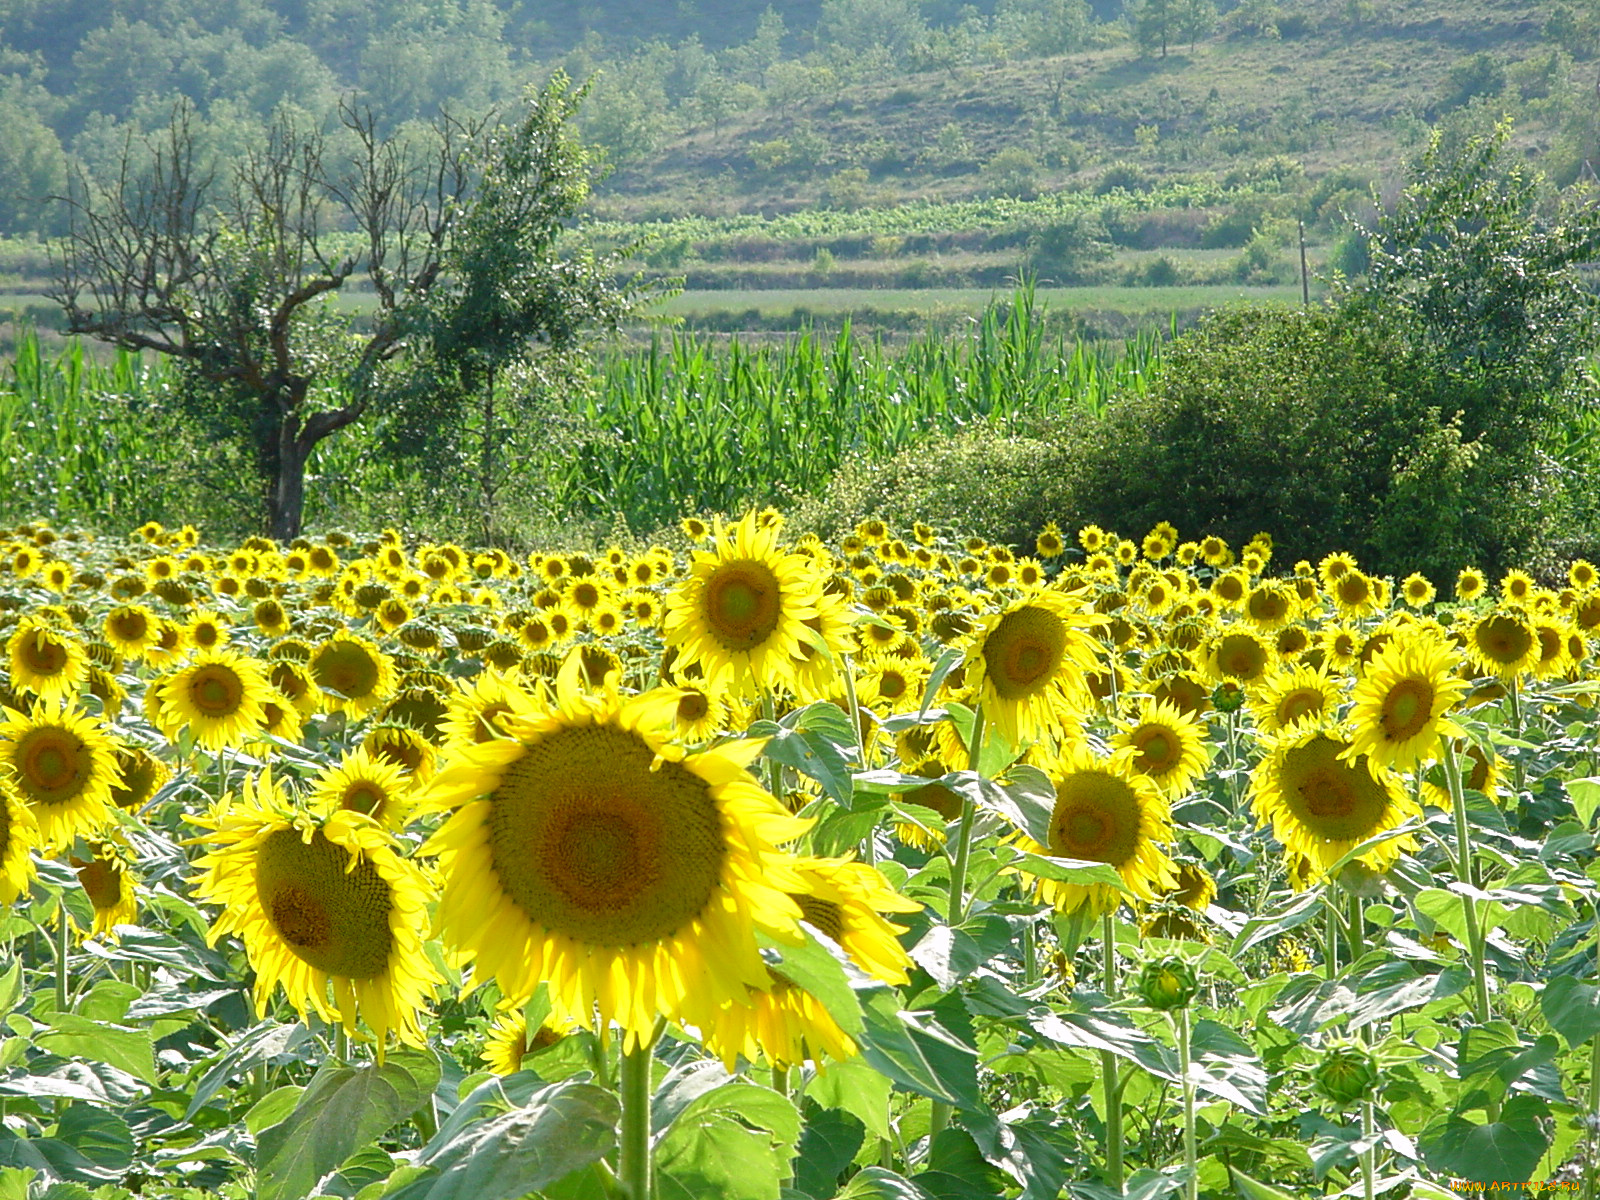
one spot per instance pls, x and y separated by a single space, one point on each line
231 276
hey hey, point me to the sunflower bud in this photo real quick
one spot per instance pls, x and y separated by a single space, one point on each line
1229 697
1347 1073
1167 983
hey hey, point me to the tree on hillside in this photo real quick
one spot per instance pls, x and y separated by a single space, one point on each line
233 274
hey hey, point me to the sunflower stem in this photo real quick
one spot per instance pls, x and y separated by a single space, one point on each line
633 1161
1191 1157
1369 1156
1591 1169
1469 909
1519 771
969 813
868 843
769 710
1358 923
1330 936
341 1044
1108 1065
780 1081
63 940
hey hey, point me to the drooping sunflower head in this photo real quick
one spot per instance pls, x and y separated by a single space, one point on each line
507 1040
1106 812
1323 801
321 904
19 835
140 776
1402 701
217 696
845 900
1029 662
109 882
1238 655
404 747
740 610
64 764
588 851
365 783
1168 745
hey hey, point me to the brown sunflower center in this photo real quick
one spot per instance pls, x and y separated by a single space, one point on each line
591 843
1024 651
1302 702
334 918
43 655
741 604
51 765
1332 799
827 916
363 797
129 626
1503 639
692 707
1156 749
346 668
1241 657
1097 818
102 883
216 691
1406 709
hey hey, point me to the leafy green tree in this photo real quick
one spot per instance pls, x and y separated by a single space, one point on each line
1155 24
232 274
33 167
501 328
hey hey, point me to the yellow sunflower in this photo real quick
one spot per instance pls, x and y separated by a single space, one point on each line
132 629
1239 655
1105 812
217 696
1028 663
1292 696
1322 801
1480 772
1417 590
403 746
354 675
846 901
140 775
1401 702
49 662
508 1041
1503 644
475 708
589 852
700 713
319 902
109 882
1168 745
1470 584
364 783
19 835
64 765
740 610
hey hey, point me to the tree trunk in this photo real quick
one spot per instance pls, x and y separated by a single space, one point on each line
287 501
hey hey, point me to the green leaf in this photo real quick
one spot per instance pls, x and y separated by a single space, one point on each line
822 970
272 1109
1289 914
949 955
265 1041
1254 1189
915 1050
343 1109
878 1183
828 1145
1070 870
734 1142
1107 1031
11 986
1226 1066
1506 1150
1585 797
74 1036
99 1135
853 1086
1572 1007
818 742
562 1129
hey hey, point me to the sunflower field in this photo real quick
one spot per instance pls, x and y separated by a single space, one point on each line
901 868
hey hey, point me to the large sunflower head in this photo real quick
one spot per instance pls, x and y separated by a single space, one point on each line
218 697
1029 662
64 765
320 902
587 851
740 610
49 662
1106 812
132 629
1168 745
1293 696
1401 701
1239 655
1322 800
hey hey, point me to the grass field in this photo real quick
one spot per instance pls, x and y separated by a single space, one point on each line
1146 300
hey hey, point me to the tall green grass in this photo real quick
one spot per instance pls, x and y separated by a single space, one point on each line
80 440
686 424
697 425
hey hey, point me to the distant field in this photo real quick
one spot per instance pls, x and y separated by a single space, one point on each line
1137 300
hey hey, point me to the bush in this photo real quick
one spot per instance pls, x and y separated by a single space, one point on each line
986 480
1322 426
